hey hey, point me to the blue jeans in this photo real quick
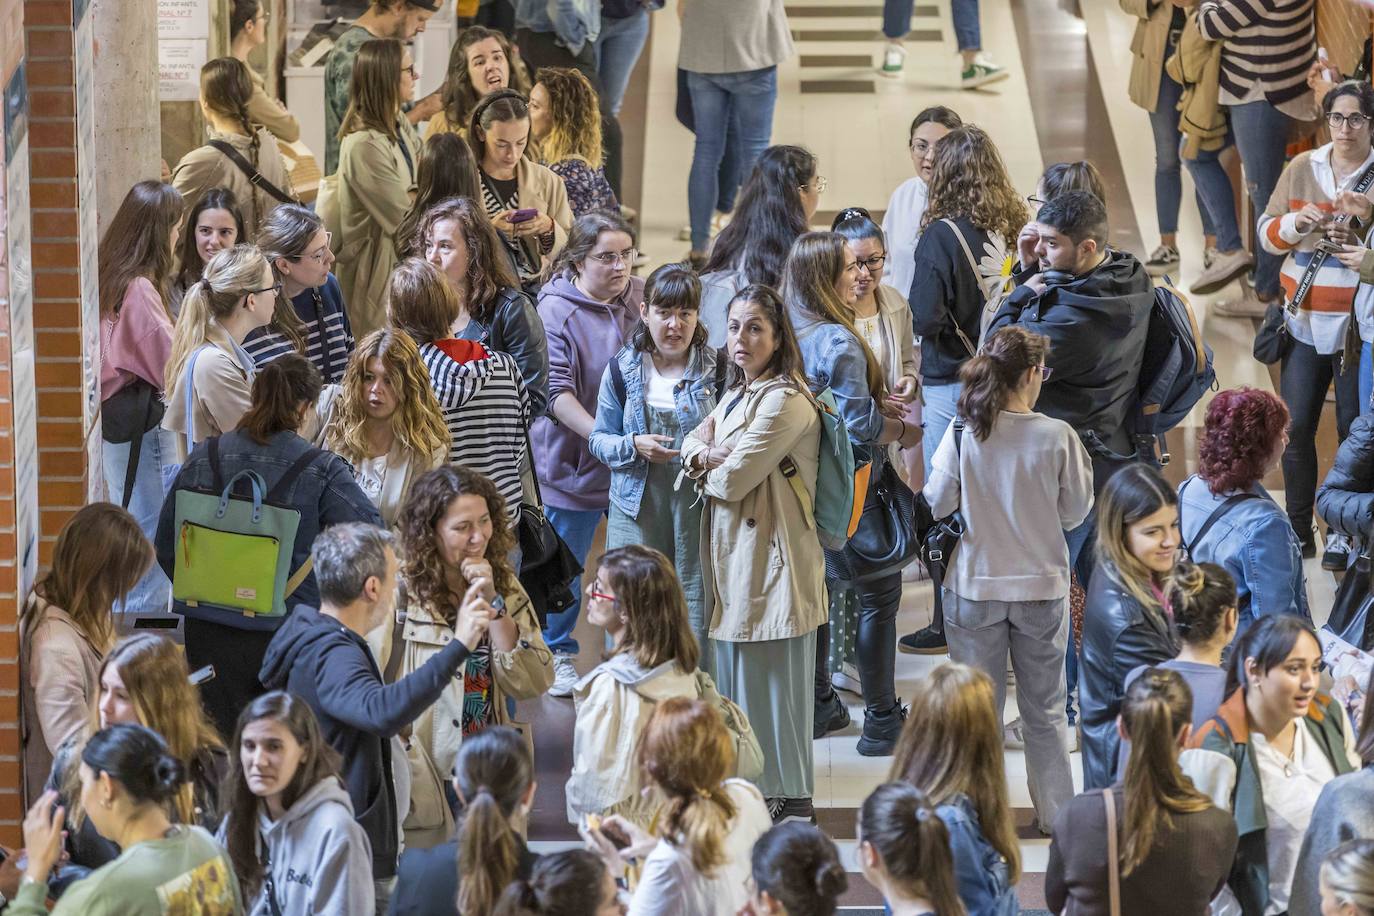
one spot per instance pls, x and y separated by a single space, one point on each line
938 406
721 101
617 51
1262 140
1168 164
577 527
1080 541
1366 379
153 593
897 21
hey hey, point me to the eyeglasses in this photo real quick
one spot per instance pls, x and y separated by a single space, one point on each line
1045 372
1037 201
817 184
873 264
601 596
320 255
1354 122
414 73
609 258
275 289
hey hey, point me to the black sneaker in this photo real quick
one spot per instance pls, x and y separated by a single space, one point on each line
882 731
1309 545
1336 555
924 641
831 716
783 810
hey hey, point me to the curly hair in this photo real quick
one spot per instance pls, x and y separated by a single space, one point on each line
418 422
969 179
430 497
574 117
1238 438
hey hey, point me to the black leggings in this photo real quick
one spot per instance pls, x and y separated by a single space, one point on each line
237 657
1303 380
875 644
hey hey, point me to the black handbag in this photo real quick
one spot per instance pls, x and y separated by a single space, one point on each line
126 416
1350 610
547 566
885 541
938 537
1272 340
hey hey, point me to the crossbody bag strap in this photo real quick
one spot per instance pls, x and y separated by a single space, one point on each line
145 400
255 178
1113 856
1309 276
973 265
1216 516
268 885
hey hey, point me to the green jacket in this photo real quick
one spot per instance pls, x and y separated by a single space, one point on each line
1228 734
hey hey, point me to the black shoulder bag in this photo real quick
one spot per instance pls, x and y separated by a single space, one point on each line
547 565
939 537
254 176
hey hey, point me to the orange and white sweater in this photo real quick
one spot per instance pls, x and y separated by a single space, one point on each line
1325 312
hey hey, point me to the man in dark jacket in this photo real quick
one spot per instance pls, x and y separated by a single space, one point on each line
323 658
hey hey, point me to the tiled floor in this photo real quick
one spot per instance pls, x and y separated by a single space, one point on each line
1074 70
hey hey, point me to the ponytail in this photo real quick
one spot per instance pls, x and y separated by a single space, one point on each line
1199 595
569 883
992 375
899 823
227 87
228 278
137 758
1157 706
493 773
279 389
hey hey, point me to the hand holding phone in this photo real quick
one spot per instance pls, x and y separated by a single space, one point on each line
524 216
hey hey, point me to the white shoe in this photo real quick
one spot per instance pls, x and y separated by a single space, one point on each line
718 222
565 676
981 72
1162 260
893 60
1247 306
1223 269
1012 738
847 679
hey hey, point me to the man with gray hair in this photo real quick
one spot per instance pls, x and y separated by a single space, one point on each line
322 657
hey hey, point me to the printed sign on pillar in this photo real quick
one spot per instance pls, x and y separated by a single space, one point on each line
183 32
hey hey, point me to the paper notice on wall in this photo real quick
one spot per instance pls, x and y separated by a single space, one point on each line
179 63
183 19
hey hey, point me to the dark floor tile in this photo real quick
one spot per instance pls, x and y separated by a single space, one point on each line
851 87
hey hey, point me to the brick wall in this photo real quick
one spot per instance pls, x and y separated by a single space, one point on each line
1342 27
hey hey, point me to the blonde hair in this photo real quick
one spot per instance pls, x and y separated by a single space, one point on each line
952 745
574 117
968 179
1348 871
418 422
229 277
808 288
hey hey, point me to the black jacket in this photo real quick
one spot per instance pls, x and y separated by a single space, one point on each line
516 328
1097 325
945 293
427 881
1346 496
331 668
1119 634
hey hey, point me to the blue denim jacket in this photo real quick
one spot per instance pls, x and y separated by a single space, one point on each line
834 359
325 494
1254 541
980 871
575 22
612 439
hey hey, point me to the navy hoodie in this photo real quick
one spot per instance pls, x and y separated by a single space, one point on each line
332 669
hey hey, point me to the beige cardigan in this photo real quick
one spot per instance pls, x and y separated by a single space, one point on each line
542 190
221 396
1147 49
762 563
59 682
205 167
375 190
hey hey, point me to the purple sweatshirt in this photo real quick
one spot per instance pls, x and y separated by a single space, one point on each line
584 335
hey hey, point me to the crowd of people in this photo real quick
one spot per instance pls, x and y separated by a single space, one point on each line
363 449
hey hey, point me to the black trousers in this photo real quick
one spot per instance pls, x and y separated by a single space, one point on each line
875 644
237 657
1304 377
541 49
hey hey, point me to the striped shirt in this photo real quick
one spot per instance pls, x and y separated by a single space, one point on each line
486 408
1269 44
1324 315
328 336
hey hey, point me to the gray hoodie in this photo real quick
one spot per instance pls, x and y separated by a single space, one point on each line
318 856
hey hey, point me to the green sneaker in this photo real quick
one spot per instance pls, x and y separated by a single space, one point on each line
893 59
980 73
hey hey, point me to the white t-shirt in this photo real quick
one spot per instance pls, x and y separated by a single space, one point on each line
871 330
671 886
1291 787
902 229
658 389
371 476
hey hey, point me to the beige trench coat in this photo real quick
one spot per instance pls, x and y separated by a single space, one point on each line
59 682
205 167
761 561
376 186
1147 49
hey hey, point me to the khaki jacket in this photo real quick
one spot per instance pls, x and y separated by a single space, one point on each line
1196 65
542 190
59 682
265 110
763 570
523 674
221 396
205 167
1147 48
375 189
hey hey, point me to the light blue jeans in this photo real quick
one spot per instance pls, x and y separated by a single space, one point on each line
939 404
617 51
1366 379
577 528
153 593
720 101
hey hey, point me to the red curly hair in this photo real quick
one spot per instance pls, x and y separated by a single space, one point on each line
1238 438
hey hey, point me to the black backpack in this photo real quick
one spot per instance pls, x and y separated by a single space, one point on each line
1175 370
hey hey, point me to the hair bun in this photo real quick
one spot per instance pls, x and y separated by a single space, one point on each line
168 775
830 879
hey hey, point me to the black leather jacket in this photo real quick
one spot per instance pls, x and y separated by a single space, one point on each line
516 328
1119 634
1346 497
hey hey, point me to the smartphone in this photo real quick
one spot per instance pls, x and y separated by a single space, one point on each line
1329 246
201 675
524 216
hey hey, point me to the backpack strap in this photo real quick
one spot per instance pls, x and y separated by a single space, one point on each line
793 478
721 364
1113 856
617 378
1216 515
298 466
254 176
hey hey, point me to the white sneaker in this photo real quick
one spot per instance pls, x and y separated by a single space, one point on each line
893 60
565 676
719 221
1162 260
981 72
1223 269
1208 256
1247 306
847 679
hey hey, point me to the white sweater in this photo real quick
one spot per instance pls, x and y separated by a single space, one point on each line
1019 491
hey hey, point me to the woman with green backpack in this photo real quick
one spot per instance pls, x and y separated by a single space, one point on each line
762 563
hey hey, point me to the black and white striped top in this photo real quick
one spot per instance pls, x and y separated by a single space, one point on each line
486 409
328 335
1269 44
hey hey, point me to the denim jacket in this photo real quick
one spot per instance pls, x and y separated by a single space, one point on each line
575 22
981 872
612 440
1255 543
834 358
325 494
